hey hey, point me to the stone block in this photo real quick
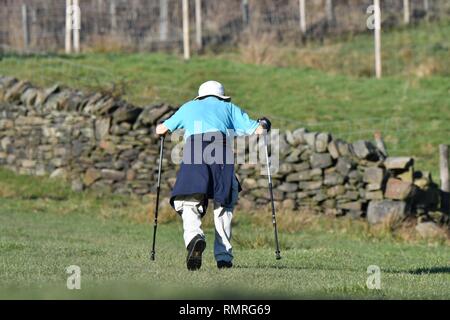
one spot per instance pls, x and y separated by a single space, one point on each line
333 179
354 205
114 175
397 189
310 185
385 210
288 187
373 175
363 149
333 149
91 175
321 160
396 163
321 143
336 191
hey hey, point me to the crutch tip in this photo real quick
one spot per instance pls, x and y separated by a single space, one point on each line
278 256
152 256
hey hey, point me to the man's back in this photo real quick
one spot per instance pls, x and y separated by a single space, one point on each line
211 114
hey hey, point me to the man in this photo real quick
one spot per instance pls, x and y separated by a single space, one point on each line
208 175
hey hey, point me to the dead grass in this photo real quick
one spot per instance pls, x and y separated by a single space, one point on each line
6 191
104 44
294 221
428 67
260 49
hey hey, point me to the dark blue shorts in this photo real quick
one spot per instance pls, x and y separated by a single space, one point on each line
207 168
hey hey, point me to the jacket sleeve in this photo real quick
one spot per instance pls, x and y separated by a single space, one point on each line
242 123
175 121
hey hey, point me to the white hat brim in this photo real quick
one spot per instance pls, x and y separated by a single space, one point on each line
213 95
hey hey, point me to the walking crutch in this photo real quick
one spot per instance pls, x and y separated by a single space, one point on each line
274 218
155 226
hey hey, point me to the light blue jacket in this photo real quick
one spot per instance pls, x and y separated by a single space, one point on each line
211 114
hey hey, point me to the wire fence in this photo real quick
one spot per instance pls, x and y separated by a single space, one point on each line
148 25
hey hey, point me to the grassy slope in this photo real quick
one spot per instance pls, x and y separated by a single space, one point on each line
418 50
44 228
413 113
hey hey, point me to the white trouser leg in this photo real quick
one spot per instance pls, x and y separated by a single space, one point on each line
223 251
191 219
222 245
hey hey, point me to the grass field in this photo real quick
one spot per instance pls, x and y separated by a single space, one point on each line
412 112
45 227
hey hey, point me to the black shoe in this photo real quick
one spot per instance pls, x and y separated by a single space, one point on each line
224 264
195 250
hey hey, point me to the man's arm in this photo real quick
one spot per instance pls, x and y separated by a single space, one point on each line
173 123
244 125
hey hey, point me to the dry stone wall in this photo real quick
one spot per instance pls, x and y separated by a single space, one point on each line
98 141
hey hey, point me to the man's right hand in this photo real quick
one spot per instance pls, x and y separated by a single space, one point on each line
161 129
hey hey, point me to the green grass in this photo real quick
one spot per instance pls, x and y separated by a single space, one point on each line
44 229
412 112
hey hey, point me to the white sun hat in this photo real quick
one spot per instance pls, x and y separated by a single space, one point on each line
212 88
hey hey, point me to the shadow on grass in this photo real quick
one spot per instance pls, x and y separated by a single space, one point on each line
432 270
134 290
298 268
422 271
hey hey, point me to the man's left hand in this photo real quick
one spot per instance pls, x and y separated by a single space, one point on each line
265 123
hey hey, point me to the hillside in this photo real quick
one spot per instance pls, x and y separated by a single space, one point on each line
411 111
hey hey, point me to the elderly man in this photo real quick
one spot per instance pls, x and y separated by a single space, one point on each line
204 176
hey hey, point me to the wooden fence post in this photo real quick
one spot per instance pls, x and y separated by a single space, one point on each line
377 31
163 20
26 40
406 11
245 12
329 9
68 39
443 154
198 24
76 25
113 15
302 14
186 48
445 179
426 8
